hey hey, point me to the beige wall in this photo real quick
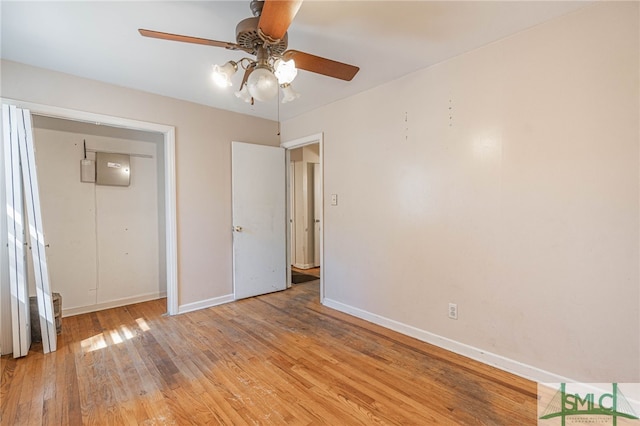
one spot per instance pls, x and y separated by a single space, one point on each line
504 180
203 162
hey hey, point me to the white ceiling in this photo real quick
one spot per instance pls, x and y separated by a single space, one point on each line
386 39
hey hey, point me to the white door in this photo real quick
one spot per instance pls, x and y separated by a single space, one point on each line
259 220
20 308
36 232
21 179
317 212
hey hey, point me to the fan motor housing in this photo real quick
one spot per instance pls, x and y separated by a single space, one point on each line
247 36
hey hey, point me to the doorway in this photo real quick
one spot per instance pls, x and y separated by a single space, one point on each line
305 209
106 241
168 193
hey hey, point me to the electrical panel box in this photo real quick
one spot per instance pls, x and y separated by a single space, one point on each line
113 169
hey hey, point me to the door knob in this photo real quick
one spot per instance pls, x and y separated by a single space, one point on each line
237 228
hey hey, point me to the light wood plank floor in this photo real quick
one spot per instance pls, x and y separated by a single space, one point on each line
312 271
276 359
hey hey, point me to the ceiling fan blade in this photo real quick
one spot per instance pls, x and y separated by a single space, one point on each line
324 66
188 39
276 17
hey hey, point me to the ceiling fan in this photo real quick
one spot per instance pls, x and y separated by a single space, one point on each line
265 37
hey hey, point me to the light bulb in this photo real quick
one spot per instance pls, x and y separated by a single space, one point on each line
262 84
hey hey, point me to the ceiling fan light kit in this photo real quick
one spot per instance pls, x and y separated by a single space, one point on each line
262 84
285 71
288 93
265 37
243 94
263 79
222 74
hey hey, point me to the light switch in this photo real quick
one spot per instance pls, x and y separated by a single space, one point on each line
334 199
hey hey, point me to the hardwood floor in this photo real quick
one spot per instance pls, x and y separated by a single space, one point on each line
312 271
281 358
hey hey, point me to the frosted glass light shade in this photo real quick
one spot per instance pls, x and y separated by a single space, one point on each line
243 94
262 84
288 93
222 74
285 71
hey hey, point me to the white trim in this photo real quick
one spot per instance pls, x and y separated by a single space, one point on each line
290 212
69 312
169 168
89 117
307 140
16 236
498 361
304 265
36 231
297 143
208 303
171 231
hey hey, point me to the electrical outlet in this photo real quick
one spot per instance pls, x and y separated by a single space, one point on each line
453 311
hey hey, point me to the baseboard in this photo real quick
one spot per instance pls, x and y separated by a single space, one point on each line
304 265
509 365
112 304
202 304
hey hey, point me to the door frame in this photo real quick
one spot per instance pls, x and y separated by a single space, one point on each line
169 179
317 210
288 146
291 184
